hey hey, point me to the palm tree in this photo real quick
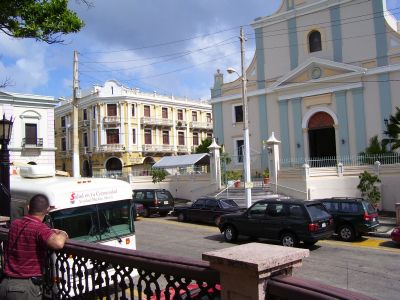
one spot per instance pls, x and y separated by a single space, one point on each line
393 131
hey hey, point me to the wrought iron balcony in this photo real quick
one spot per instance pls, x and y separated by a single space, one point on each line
156 121
181 123
111 148
32 143
158 148
84 123
201 125
112 119
182 149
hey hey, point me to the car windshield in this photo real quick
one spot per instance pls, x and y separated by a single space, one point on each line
228 203
317 211
368 206
95 223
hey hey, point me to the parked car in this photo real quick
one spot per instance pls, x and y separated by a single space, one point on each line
353 217
207 210
395 235
286 220
154 201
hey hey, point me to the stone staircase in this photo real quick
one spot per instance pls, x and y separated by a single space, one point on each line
238 194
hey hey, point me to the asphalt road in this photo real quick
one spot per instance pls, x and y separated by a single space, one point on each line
369 266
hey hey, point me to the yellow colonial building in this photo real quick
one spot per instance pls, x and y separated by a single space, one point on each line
123 129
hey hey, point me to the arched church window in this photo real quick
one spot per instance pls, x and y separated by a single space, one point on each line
314 41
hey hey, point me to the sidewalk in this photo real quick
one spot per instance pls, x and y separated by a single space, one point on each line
386 225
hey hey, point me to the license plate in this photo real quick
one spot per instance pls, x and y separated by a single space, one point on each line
165 202
323 225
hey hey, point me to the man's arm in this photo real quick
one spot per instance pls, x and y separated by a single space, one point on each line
57 240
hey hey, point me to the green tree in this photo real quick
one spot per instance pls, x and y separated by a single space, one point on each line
43 20
375 147
158 175
203 147
393 131
369 187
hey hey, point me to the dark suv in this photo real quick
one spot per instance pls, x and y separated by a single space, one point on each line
352 216
286 220
154 201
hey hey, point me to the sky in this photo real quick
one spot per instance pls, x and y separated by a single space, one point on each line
173 47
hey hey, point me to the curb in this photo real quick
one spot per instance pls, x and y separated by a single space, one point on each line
381 234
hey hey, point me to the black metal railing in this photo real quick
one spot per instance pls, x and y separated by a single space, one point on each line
94 271
35 142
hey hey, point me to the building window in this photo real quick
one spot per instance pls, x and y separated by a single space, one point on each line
165 113
85 139
181 138
112 110
85 114
209 136
147 136
208 117
94 112
94 138
195 139
147 111
112 136
165 137
63 144
30 134
239 145
133 110
238 113
314 41
63 123
194 116
180 114
134 136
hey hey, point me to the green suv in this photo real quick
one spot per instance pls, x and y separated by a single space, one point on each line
352 217
154 201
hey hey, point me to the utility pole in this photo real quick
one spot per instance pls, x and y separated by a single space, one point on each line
75 136
246 136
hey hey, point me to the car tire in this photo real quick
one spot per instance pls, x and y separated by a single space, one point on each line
346 233
181 217
230 234
146 212
288 239
217 220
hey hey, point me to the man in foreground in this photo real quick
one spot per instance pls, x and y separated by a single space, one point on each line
25 252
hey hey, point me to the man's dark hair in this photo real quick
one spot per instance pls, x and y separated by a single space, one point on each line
38 204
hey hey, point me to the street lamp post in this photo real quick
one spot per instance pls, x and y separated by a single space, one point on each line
246 136
5 136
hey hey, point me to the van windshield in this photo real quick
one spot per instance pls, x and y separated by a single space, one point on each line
95 223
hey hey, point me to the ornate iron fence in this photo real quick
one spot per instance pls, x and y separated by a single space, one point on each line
93 271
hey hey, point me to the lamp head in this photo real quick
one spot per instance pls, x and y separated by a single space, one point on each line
231 70
5 129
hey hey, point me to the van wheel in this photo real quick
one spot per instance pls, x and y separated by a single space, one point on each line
230 234
346 233
146 212
288 240
181 217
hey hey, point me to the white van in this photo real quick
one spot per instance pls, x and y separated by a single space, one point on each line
97 210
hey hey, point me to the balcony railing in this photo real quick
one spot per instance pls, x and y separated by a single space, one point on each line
111 148
157 148
112 119
156 121
94 271
84 123
201 125
32 143
182 148
181 123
